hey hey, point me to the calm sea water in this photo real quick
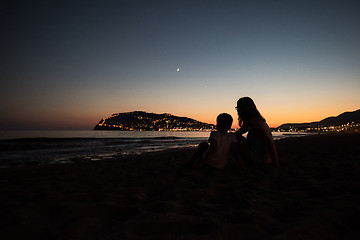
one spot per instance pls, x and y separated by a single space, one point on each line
19 148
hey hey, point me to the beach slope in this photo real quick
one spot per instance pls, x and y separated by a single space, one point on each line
314 195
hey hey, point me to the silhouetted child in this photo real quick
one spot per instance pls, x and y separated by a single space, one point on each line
214 153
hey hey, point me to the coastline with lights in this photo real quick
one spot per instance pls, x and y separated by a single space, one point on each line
143 121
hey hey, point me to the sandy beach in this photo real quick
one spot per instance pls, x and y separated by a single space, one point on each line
314 195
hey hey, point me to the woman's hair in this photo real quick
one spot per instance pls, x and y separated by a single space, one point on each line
224 121
246 109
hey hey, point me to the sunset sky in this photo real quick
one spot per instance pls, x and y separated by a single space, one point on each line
67 64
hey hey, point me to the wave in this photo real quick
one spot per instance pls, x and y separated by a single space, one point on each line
24 151
38 143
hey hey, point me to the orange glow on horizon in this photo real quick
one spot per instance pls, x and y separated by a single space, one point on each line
276 119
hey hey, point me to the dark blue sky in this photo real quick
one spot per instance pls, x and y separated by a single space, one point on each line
67 64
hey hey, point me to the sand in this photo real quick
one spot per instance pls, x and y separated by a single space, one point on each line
314 195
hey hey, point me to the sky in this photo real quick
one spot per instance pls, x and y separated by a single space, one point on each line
68 64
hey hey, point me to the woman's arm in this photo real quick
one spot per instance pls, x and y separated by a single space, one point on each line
241 131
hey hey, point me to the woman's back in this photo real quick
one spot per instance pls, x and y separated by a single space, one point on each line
257 136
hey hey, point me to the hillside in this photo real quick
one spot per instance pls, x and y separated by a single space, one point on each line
143 121
342 119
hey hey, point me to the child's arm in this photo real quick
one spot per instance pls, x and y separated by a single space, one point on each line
237 155
209 154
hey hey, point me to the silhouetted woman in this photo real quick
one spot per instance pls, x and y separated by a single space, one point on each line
259 146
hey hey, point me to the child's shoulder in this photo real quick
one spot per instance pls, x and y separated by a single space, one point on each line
213 133
227 134
231 137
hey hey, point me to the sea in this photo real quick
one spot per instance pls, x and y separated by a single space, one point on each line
23 148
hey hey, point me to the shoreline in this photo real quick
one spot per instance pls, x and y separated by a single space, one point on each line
39 151
314 195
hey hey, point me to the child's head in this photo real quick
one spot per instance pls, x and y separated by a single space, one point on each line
224 122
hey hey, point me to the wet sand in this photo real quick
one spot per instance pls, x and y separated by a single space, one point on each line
314 195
